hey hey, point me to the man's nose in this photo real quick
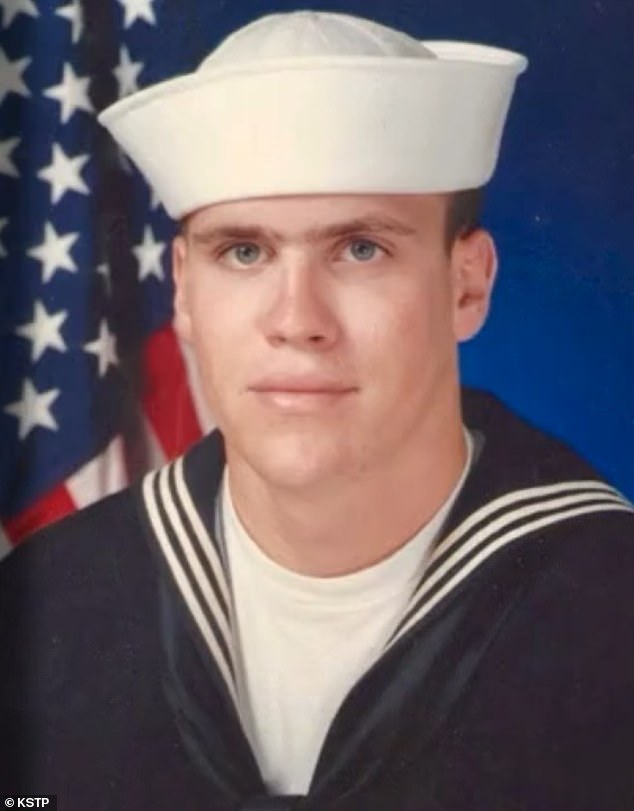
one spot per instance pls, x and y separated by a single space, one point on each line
301 308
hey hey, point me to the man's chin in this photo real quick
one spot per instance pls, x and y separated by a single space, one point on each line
295 462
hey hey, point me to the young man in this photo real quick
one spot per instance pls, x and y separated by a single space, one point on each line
368 590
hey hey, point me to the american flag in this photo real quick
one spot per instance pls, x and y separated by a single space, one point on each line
95 386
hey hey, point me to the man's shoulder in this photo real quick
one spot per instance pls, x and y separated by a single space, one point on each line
108 541
97 557
82 535
79 598
590 568
545 514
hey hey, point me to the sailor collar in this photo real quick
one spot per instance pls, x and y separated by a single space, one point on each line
492 512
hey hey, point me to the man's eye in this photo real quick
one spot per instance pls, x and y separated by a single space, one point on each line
362 250
245 253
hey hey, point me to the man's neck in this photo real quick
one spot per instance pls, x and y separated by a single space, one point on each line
343 527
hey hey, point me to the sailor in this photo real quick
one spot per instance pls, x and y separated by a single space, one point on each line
367 589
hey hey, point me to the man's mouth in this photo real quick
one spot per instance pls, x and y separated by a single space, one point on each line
301 392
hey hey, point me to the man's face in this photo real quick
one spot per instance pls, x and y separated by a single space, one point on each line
324 328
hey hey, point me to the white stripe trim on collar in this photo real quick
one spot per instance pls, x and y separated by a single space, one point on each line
515 496
206 542
460 547
194 573
455 547
466 548
186 542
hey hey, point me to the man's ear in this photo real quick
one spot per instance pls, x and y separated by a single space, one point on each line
473 267
182 317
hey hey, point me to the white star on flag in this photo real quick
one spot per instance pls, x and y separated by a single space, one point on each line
148 254
33 409
44 331
3 223
11 9
73 13
71 93
7 167
103 348
127 73
63 174
137 10
11 80
54 252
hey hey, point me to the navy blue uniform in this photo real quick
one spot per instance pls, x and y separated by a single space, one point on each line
509 683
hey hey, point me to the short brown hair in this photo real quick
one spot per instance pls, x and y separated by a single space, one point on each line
463 214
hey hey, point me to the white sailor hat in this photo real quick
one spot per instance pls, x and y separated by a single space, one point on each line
315 102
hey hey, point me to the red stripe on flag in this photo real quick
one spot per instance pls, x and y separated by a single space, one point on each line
50 507
167 400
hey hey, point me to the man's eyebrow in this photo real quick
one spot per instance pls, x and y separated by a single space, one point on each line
371 224
216 233
367 225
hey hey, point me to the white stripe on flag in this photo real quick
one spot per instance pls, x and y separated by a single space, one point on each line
5 545
104 474
156 456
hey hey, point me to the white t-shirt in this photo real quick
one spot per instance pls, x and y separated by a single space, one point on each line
305 641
